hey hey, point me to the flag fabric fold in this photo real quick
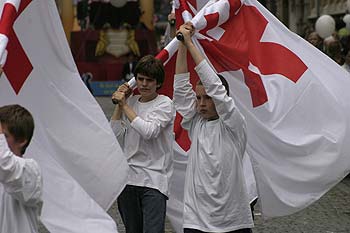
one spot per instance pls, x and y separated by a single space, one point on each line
294 99
84 168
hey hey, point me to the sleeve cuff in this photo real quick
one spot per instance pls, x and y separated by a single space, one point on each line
206 73
182 76
136 123
116 125
201 65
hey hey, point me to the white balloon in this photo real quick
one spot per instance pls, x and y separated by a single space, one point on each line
118 3
346 18
325 26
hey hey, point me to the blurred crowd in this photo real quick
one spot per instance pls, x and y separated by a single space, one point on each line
337 44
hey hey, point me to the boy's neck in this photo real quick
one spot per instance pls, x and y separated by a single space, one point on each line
17 152
213 118
144 99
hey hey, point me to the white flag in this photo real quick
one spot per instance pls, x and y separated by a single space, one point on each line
84 169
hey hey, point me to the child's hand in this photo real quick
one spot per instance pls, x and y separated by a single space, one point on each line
187 30
119 97
126 89
171 19
123 88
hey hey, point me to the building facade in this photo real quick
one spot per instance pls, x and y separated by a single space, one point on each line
298 15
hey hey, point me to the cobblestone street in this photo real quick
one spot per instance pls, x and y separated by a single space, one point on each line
331 214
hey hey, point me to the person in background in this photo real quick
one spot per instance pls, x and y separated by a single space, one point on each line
170 30
314 39
87 78
333 48
129 67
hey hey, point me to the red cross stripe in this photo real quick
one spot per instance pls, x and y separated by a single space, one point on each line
240 45
18 66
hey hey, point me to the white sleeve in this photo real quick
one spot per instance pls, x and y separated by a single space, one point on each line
119 130
20 177
225 105
184 97
160 117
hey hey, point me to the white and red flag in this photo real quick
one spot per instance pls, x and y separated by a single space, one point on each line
83 166
295 100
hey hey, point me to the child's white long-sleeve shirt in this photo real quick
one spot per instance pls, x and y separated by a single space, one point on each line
215 197
147 142
20 192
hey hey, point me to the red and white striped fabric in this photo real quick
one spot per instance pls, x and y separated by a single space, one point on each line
8 17
294 98
83 166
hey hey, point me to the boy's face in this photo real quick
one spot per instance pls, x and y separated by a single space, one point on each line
147 87
14 145
205 105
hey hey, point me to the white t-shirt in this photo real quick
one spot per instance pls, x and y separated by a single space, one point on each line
215 196
147 142
20 192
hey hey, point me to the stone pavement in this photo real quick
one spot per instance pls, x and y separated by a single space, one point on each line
330 214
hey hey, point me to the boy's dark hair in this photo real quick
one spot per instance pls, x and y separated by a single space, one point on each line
223 81
19 122
151 67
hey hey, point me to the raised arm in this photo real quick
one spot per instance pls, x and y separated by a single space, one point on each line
20 177
187 31
119 97
225 105
150 126
181 60
184 96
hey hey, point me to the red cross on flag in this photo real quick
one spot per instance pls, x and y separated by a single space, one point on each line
294 98
11 10
84 169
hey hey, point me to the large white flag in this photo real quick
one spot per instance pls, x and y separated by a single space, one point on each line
294 98
84 169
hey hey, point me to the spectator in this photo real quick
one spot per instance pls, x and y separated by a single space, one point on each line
129 67
315 40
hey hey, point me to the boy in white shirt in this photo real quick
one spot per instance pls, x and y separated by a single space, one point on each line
143 125
20 178
215 196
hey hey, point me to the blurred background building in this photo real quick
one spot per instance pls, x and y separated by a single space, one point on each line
299 14
103 33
